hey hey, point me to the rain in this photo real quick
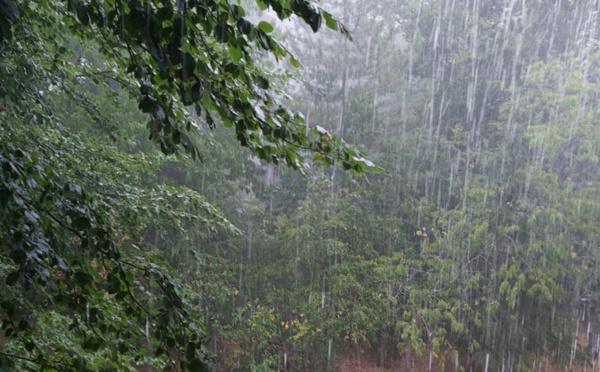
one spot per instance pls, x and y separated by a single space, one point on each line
276 185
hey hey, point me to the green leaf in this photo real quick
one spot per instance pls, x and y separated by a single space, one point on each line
330 21
294 62
235 53
262 82
147 104
261 4
266 27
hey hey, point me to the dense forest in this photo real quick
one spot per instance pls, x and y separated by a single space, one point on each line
295 185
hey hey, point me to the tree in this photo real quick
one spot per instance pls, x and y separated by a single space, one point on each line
201 54
67 252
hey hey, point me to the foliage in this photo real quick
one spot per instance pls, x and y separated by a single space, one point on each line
84 221
477 245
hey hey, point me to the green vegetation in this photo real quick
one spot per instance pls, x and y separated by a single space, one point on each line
137 234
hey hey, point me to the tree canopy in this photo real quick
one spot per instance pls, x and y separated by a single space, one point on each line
190 53
72 206
163 204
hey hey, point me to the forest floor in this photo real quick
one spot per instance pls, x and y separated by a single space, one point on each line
361 361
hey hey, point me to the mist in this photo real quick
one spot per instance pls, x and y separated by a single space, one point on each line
277 185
